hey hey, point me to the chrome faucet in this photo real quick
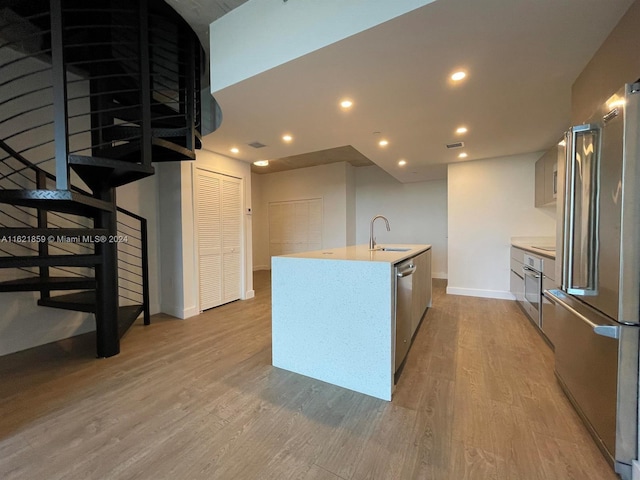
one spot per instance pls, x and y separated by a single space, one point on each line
372 241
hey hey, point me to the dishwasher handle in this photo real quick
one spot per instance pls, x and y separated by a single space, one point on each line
410 270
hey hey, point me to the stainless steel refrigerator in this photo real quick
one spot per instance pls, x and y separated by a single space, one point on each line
597 308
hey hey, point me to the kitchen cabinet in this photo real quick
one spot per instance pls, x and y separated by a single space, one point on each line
421 289
517 278
547 178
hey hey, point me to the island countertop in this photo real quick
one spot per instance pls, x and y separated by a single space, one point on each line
334 314
363 254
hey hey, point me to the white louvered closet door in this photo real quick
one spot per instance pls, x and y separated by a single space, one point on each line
231 236
219 234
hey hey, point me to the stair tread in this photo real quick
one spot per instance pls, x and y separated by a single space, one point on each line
64 201
99 171
51 283
127 316
160 119
79 301
131 133
82 260
172 147
68 232
163 151
86 302
101 162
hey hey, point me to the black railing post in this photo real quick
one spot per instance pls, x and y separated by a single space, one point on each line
61 118
43 246
145 271
145 84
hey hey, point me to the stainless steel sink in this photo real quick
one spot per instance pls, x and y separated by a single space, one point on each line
394 249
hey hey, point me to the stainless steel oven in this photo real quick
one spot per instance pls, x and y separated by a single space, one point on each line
532 270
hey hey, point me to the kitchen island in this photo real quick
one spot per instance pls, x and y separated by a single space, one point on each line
333 315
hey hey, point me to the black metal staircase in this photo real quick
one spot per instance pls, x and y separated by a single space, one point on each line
91 94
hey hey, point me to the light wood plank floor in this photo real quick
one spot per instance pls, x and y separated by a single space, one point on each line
198 399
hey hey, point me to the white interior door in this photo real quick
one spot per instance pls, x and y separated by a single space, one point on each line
218 217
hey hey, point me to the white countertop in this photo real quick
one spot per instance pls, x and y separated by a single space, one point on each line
531 244
362 253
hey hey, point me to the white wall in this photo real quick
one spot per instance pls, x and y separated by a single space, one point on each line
170 238
179 280
243 42
141 198
417 212
328 182
491 201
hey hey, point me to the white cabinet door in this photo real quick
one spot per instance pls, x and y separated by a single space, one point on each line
219 233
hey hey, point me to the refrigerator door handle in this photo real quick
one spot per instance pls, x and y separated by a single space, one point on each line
611 331
569 243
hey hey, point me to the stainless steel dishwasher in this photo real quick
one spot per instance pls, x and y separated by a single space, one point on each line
404 293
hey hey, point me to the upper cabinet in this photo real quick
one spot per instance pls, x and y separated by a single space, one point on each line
547 178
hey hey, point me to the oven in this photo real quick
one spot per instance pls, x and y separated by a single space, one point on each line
532 271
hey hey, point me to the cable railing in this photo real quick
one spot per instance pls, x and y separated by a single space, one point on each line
133 261
132 238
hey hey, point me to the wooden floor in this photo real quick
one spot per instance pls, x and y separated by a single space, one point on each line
198 399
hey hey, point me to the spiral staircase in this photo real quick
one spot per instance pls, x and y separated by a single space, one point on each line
92 93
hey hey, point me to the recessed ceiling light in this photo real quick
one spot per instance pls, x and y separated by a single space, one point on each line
402 163
287 138
383 143
616 102
346 104
235 150
461 130
261 163
457 76
462 155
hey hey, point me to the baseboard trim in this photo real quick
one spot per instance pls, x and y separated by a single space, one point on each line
249 294
177 312
475 292
190 312
635 472
261 267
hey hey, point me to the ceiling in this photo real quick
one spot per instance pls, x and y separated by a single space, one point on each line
521 57
200 13
323 157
